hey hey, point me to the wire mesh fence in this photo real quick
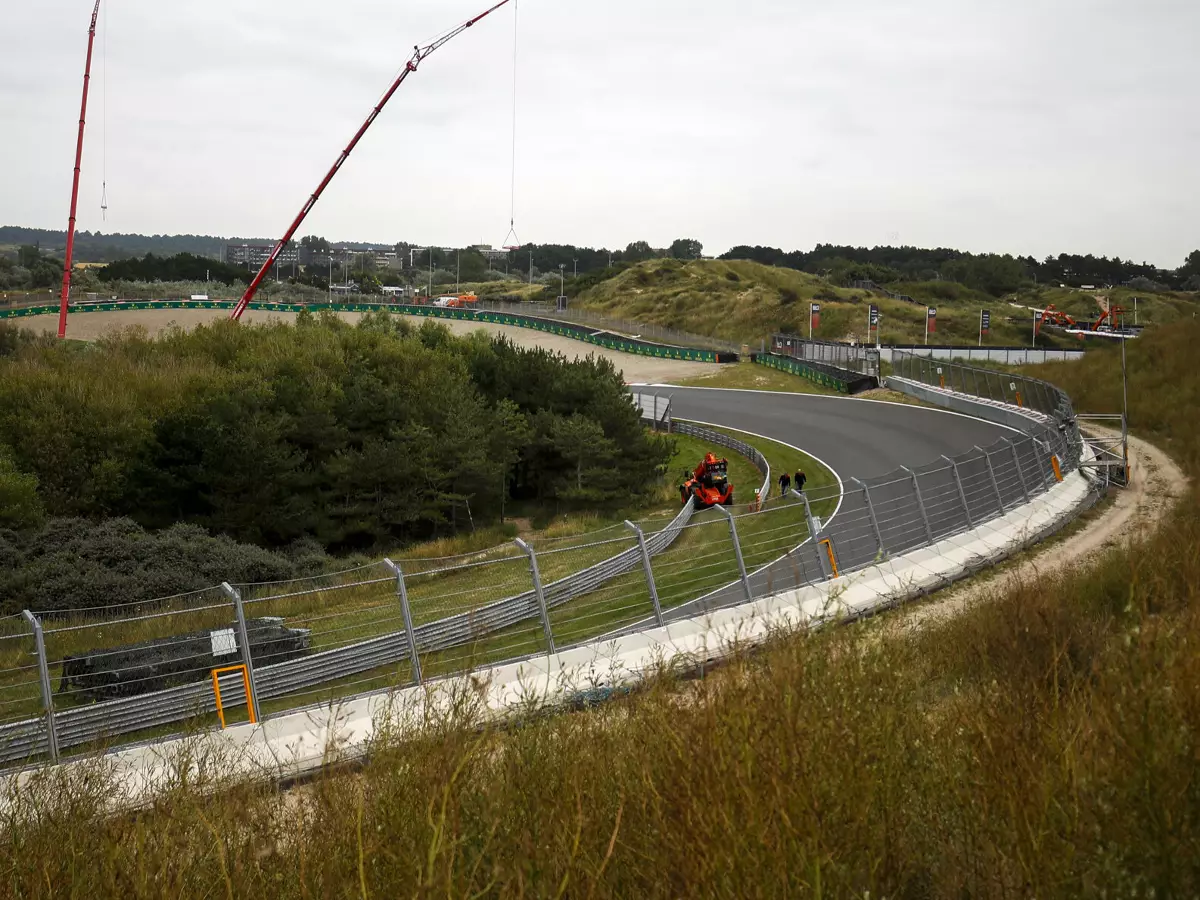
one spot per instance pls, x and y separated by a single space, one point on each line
79 678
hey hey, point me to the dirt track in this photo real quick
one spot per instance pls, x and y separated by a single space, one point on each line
1156 484
642 369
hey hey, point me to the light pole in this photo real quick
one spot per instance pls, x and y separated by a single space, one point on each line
430 274
457 271
531 267
576 269
330 284
562 279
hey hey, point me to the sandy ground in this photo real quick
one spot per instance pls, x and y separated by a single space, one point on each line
637 369
1156 483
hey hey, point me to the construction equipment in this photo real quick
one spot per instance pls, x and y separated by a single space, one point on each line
1115 316
1053 316
65 296
708 485
420 54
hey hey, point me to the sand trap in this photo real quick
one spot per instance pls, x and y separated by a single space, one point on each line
640 369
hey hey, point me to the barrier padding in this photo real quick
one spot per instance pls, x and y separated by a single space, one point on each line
599 338
841 380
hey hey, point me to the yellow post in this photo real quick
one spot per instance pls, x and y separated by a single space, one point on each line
216 675
832 559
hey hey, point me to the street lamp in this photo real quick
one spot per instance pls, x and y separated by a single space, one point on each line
562 279
531 267
576 268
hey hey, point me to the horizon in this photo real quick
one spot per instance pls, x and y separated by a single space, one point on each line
981 128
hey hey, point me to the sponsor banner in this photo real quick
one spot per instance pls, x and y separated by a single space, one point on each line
985 321
931 320
874 316
816 316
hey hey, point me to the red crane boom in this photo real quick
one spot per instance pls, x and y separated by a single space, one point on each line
419 55
66 282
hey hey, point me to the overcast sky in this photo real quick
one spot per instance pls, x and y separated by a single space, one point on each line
1023 126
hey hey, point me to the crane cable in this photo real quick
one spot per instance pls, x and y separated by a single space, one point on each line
512 241
104 122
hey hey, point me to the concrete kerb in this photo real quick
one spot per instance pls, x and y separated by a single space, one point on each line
303 743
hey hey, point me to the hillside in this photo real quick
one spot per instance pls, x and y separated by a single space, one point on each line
747 301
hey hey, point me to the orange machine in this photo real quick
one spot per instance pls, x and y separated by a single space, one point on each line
1115 316
1052 316
708 485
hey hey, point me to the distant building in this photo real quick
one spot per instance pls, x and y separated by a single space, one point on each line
490 253
252 256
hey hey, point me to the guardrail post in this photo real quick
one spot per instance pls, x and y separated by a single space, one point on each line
1046 475
815 534
39 640
649 570
1017 465
992 474
871 513
539 593
402 592
244 645
737 551
920 503
962 495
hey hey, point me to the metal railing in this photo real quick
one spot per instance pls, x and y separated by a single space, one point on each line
860 358
133 669
1030 405
645 331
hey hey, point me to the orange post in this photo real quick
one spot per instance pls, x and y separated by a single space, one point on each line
216 675
1057 468
832 559
1019 403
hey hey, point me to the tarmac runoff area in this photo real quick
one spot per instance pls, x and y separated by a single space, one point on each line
92 325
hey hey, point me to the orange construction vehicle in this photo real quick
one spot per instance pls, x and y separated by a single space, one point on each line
708 485
1115 316
1051 315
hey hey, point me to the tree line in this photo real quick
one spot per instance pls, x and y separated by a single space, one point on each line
992 273
356 437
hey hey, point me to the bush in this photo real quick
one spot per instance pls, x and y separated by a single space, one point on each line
357 437
75 563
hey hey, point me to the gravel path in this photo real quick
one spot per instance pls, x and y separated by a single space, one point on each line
1156 484
638 369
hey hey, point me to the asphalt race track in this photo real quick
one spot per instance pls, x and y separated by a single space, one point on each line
858 439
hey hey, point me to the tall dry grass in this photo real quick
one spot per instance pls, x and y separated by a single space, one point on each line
1044 744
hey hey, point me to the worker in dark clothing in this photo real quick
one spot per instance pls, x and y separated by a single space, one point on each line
785 482
800 479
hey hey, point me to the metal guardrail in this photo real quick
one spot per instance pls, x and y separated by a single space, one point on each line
877 517
521 318
85 725
645 331
1030 405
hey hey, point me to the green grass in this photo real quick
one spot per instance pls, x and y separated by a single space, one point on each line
744 302
1044 743
750 376
342 609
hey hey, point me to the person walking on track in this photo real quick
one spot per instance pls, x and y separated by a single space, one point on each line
785 482
800 479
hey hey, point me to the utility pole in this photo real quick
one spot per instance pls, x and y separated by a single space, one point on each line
458 271
430 273
531 267
562 278
576 268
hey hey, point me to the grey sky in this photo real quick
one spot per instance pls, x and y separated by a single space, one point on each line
1026 126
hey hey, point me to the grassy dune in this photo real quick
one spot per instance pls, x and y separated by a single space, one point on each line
1044 743
746 301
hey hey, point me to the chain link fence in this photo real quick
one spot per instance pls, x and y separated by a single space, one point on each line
79 680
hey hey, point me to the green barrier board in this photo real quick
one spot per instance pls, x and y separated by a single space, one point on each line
795 367
576 332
